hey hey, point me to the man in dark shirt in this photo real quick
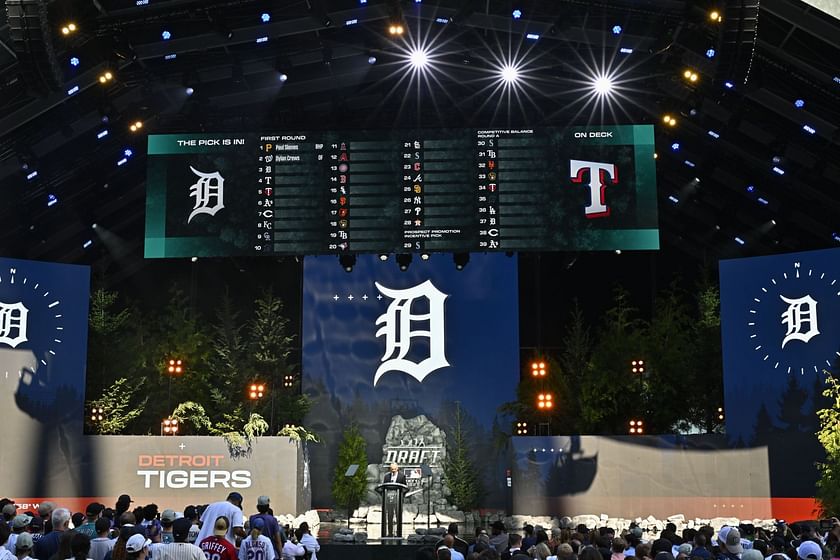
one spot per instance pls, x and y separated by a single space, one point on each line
47 545
271 529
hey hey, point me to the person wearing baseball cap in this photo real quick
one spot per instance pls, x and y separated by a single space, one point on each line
272 529
92 513
809 550
23 546
231 508
179 548
167 519
729 539
217 545
9 511
256 545
137 547
19 524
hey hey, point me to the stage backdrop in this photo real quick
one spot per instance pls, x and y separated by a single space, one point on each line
780 323
43 351
46 456
396 352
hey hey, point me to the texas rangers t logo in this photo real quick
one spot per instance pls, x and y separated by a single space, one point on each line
397 329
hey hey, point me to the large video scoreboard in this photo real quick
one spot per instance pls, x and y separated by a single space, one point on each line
401 191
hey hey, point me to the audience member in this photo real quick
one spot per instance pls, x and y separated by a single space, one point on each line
292 549
499 536
102 543
47 545
216 545
231 508
23 546
515 551
272 529
309 542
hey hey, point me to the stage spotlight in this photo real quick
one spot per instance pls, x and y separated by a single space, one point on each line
128 152
74 61
669 120
404 261
509 74
135 126
690 75
419 58
282 77
265 17
461 260
166 35
189 91
371 59
617 30
68 29
425 256
106 77
675 147
799 103
52 200
396 29
383 257
710 53
602 85
347 262
715 16
517 13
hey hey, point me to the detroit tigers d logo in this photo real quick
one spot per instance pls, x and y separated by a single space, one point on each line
397 323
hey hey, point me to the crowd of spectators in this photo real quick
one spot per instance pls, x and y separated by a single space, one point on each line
798 541
217 531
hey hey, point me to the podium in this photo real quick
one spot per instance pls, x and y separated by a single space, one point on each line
392 509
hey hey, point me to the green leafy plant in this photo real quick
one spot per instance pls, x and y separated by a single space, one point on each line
118 405
828 485
348 491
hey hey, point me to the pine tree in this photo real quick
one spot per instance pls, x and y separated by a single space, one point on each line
461 474
828 486
348 491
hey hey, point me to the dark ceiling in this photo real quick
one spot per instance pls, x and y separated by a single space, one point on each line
771 55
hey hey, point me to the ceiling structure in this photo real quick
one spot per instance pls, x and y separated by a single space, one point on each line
59 173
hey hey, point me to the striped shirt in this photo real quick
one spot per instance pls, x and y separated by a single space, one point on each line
178 551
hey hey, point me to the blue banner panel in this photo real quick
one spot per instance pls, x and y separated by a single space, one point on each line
780 323
43 352
379 342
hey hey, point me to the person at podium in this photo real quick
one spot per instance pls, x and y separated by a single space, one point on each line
391 499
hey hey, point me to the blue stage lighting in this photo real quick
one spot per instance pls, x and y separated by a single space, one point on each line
166 35
710 53
617 29
532 36
265 17
675 146
101 134
625 50
799 103
517 13
674 199
87 244
728 85
189 91
52 200
128 152
740 241
750 188
809 129
778 170
74 61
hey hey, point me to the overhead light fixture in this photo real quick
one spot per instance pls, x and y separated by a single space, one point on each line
669 120
404 261
106 77
509 74
396 29
265 17
135 126
710 53
166 35
715 16
517 13
602 85
68 29
617 29
74 61
799 103
347 262
461 260
419 58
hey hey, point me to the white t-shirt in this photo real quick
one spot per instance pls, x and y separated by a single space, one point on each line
310 543
259 549
215 511
290 550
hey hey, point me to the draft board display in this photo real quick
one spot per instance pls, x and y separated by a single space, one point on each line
43 354
398 352
386 191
